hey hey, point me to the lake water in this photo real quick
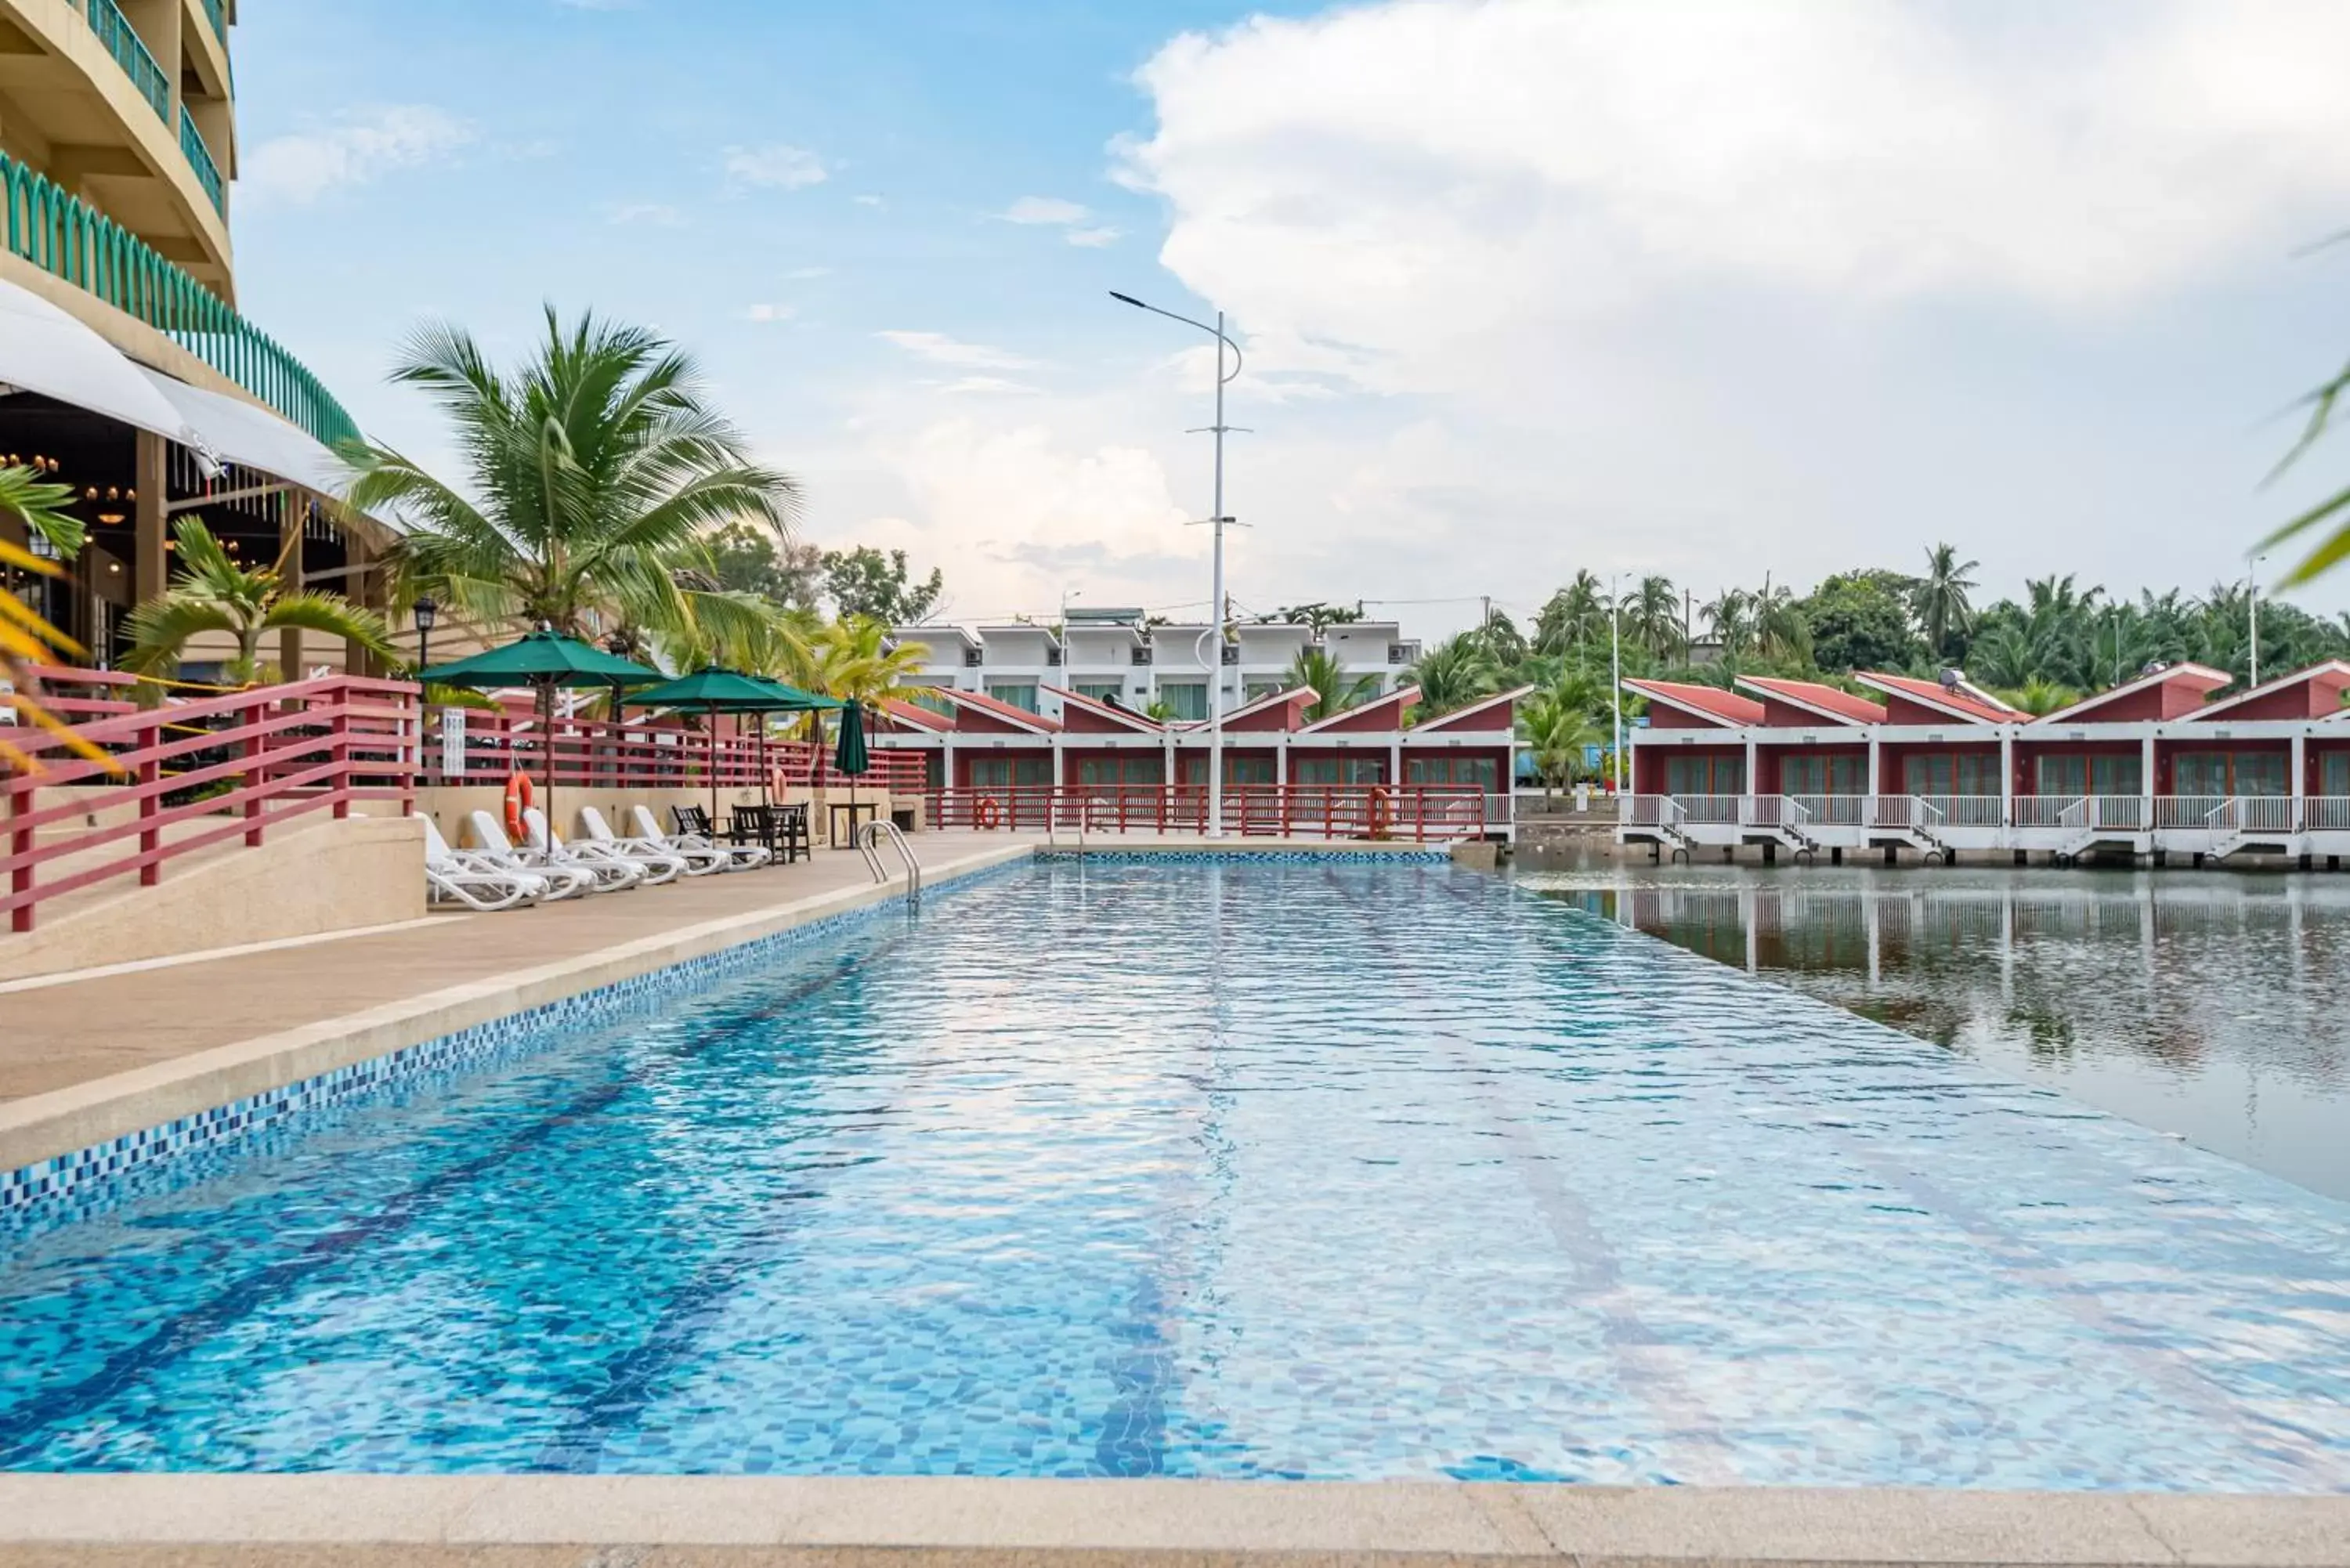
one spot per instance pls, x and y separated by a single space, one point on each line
2206 1005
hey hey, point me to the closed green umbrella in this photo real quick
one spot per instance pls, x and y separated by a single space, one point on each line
849 755
543 660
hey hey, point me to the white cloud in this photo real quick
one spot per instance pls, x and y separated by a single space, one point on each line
1727 286
654 215
298 169
867 201
987 386
775 166
769 313
1094 238
1043 210
940 348
1014 514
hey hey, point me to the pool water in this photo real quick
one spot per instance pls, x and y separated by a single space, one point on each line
1303 1170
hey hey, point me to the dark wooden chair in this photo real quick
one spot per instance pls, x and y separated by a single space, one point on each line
792 830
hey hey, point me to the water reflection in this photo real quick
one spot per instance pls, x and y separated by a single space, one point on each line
2206 1005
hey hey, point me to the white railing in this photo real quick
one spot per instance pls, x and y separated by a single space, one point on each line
2189 811
1714 810
2118 812
1645 810
1833 810
2326 814
2052 811
1968 810
2259 814
1775 810
1904 811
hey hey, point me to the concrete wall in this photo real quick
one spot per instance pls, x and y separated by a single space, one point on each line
327 875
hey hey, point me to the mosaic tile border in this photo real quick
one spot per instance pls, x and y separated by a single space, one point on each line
1132 856
83 1181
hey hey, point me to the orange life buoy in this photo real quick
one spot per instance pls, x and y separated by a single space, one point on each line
520 797
987 815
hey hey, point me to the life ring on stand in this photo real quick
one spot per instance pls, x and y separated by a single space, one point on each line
987 816
520 797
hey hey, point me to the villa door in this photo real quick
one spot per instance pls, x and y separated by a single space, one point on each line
1705 775
2334 776
2232 774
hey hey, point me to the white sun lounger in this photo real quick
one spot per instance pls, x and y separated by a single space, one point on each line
451 875
706 855
661 863
546 846
497 852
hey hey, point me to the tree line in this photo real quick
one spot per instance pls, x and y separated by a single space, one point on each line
2061 641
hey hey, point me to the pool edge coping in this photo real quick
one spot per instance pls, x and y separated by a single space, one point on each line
849 1519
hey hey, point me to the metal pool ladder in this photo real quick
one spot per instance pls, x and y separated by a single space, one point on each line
870 839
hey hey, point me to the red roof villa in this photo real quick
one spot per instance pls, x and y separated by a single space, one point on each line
2153 767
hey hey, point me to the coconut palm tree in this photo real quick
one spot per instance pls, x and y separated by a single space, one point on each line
2037 697
1574 616
1941 603
1652 616
593 472
1557 726
1453 674
214 594
1333 689
1729 622
852 659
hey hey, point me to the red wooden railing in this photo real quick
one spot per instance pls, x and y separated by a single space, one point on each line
253 758
1418 814
485 746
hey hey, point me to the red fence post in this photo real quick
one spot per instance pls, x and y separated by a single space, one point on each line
150 801
339 736
256 773
20 845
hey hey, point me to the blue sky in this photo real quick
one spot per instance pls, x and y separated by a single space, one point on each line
1527 285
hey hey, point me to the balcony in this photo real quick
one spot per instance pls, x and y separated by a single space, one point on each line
70 239
220 23
200 159
106 19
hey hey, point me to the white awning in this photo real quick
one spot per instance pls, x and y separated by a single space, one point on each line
251 437
43 349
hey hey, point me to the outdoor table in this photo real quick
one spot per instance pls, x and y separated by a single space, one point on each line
854 808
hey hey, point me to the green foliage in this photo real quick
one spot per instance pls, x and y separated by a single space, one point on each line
214 594
1333 689
1941 601
866 582
748 559
2333 544
594 472
1860 620
1453 674
1318 615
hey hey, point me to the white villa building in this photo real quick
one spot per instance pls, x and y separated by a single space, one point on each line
1113 655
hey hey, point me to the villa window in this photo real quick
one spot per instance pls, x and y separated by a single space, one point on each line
2074 774
1132 770
925 694
1238 769
1184 699
1257 691
1101 690
2334 774
1010 772
2231 772
1836 772
1020 694
1482 772
1942 773
1705 775
1341 770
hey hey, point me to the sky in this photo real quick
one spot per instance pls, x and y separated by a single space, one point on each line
1718 290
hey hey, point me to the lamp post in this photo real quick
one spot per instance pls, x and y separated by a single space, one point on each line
427 614
1217 521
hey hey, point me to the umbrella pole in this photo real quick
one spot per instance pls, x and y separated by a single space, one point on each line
710 729
546 744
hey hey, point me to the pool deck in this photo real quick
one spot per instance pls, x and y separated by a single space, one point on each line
91 1056
510 1522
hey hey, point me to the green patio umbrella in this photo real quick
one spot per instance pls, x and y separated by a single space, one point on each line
543 660
712 691
848 753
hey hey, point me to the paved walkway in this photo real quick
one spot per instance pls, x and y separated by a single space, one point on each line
62 1031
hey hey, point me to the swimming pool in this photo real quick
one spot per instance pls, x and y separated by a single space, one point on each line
1306 1169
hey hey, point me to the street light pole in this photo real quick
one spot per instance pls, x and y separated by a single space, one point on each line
1215 825
1616 676
2252 581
